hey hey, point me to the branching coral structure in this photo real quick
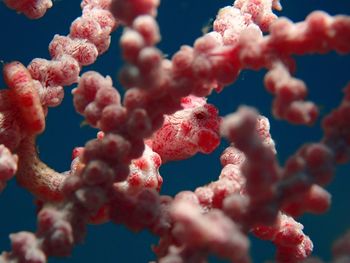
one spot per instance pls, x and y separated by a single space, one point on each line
158 112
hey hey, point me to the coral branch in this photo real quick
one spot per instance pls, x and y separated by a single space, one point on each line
25 96
163 116
36 176
33 9
8 166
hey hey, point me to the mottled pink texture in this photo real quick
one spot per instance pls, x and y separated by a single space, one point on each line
8 166
164 116
290 93
188 131
89 37
128 11
336 130
25 96
288 237
33 9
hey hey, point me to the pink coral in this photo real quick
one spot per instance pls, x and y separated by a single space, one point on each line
33 9
164 116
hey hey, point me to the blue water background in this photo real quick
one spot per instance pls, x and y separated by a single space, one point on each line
181 22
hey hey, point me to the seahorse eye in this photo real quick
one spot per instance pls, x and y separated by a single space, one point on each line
200 115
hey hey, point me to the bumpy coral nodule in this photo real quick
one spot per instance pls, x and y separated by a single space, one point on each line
164 116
